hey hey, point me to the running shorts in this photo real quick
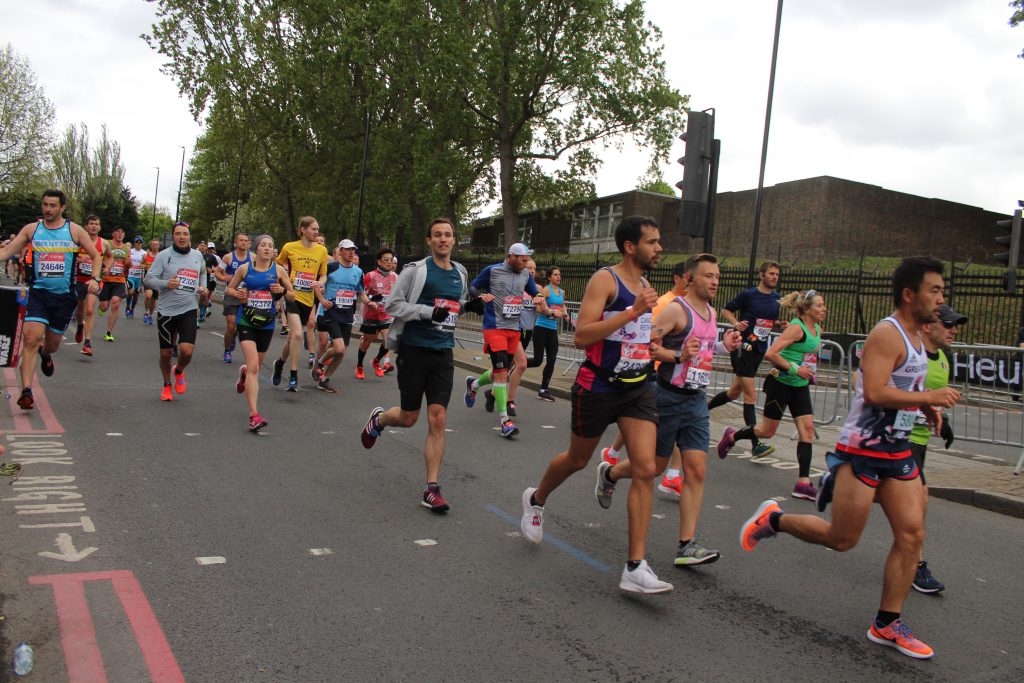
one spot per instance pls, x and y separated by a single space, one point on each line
261 337
53 310
593 411
300 309
334 329
746 363
683 420
871 471
778 397
184 325
111 290
424 372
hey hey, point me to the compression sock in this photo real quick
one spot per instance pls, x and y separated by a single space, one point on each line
749 414
720 399
803 457
501 399
482 381
360 358
382 352
745 433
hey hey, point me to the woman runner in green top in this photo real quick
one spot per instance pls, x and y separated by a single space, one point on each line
795 357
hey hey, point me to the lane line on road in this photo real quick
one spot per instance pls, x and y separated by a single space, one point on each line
557 542
22 419
316 552
214 559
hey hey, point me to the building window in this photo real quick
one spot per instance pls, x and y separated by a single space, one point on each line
596 221
525 231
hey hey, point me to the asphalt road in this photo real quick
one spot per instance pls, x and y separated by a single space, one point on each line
319 564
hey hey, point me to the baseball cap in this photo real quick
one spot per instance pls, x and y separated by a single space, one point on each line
346 244
210 244
948 316
520 249
138 238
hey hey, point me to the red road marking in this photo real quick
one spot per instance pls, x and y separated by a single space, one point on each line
78 634
22 418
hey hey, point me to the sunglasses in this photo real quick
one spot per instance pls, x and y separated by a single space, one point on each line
182 223
948 326
810 294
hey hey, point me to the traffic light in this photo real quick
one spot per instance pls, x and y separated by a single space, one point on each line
696 161
1009 258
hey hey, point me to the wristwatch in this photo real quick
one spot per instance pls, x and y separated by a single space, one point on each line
679 356
97 278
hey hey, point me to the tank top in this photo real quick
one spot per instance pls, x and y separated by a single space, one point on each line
53 258
261 299
118 270
556 302
885 432
234 263
83 273
694 374
622 358
804 352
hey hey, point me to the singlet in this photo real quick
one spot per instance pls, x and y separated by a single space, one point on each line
118 270
147 261
694 374
378 283
885 432
83 271
135 272
804 352
937 377
624 353
556 302
234 263
53 260
257 285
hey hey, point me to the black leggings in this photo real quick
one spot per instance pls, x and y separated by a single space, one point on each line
544 340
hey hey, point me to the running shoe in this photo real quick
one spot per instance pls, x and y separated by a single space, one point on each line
359 372
510 407
805 491
693 553
256 423
86 348
924 582
317 372
545 395
673 486
470 393
532 522
293 385
46 363
275 379
25 401
603 489
608 458
509 429
762 450
377 369
100 312
240 384
311 361
179 380
898 635
107 336
232 347
167 394
227 356
79 333
284 331
489 401
757 528
643 580
325 385
433 500
826 484
202 316
388 367
372 428
726 443
147 319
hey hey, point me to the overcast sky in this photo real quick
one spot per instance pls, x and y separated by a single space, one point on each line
919 96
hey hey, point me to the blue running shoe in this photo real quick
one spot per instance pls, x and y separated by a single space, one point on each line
470 394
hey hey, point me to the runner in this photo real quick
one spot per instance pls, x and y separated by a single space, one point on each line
135 275
527 324
506 283
208 250
872 460
337 310
115 272
51 302
378 284
312 339
614 326
795 357
687 331
425 304
938 337
759 309
551 311
85 313
230 262
178 274
254 284
306 262
151 294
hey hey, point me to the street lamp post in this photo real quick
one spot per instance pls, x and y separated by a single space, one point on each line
152 228
181 177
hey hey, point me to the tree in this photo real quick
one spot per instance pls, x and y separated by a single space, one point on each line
652 181
1017 18
26 121
92 177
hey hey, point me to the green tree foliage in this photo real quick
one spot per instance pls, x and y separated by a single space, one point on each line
26 121
1017 18
18 208
92 177
150 228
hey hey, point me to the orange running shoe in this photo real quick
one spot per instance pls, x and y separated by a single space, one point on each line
757 527
359 372
377 369
167 394
179 380
673 486
607 458
898 635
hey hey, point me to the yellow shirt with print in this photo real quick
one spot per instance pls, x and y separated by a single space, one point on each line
306 265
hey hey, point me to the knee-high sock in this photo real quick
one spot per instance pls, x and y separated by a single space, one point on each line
501 399
483 380
803 457
719 399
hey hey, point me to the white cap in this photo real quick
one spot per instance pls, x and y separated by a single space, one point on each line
520 249
346 244
211 244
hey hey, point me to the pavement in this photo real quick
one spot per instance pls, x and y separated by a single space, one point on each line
957 475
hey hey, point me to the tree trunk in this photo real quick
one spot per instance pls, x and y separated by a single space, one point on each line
509 203
288 211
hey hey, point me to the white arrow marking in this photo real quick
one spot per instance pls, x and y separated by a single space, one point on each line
425 542
114 434
68 553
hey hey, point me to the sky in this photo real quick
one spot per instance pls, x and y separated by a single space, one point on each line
918 96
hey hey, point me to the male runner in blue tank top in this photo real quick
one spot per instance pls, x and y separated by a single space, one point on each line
873 461
55 242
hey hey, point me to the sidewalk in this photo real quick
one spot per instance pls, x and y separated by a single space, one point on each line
983 482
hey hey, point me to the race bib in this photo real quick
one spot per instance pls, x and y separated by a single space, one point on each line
763 328
448 324
50 265
528 302
811 361
260 300
512 306
116 269
188 279
135 273
632 358
304 282
345 298
698 375
85 267
556 309
904 421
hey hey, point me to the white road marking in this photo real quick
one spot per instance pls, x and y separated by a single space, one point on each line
592 525
982 580
320 551
448 430
425 542
326 432
192 434
215 559
548 427
216 333
514 534
114 434
722 507
658 516
68 551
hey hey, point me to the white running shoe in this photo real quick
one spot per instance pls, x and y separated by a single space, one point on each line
643 580
532 523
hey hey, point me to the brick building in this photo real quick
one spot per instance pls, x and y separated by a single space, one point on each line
811 220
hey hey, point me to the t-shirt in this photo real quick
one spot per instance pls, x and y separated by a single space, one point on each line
508 288
306 265
342 289
135 269
440 286
190 269
937 378
760 311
